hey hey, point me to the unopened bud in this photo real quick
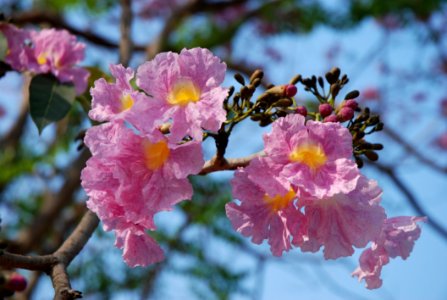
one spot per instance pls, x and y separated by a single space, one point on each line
290 90
371 155
302 110
330 119
256 74
295 79
351 103
345 114
284 102
325 109
352 94
16 282
239 78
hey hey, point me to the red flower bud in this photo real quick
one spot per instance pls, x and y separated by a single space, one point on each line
290 90
302 110
325 109
345 114
331 118
16 282
351 104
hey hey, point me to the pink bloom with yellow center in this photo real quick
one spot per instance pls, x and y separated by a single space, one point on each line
263 214
19 54
315 157
130 178
57 52
186 89
112 101
397 238
342 221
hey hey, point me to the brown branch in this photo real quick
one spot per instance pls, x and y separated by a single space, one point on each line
12 261
411 150
412 199
125 45
214 164
77 240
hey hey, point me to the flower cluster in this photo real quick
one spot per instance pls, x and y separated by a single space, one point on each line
135 170
307 192
46 51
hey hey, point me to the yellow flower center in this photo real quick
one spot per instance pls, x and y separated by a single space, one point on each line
184 92
279 202
42 58
126 102
309 154
155 154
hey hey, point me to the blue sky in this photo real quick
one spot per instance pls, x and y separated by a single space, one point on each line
308 276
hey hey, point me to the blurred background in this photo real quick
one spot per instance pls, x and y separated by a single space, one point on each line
394 52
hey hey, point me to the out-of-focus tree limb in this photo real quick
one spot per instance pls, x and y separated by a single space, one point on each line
411 150
125 45
411 198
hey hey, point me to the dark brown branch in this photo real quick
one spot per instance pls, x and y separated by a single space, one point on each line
12 261
125 46
411 150
412 199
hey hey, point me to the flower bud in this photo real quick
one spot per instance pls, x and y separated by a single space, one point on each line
330 119
16 282
345 114
325 109
302 110
290 90
351 104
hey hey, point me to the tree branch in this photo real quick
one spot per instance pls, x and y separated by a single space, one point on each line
412 199
411 150
12 261
125 46
214 164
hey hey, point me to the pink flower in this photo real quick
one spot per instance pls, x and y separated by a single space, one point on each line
342 221
130 178
139 249
315 157
397 238
112 101
57 52
186 89
19 54
263 214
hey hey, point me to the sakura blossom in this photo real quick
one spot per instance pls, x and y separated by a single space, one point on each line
397 238
315 157
185 88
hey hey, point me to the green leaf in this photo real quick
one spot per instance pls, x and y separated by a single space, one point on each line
50 100
3 46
